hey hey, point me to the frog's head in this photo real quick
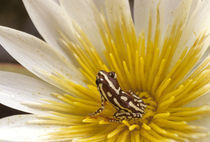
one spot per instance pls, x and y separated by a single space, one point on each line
107 79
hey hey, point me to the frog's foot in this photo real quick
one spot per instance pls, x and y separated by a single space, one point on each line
97 112
114 120
103 101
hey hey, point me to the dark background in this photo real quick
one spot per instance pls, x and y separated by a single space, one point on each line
14 15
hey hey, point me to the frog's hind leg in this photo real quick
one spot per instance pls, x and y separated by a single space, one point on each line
116 118
124 115
101 108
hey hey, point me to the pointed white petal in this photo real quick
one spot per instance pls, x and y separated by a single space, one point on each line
37 56
50 20
16 90
82 12
15 68
141 14
17 129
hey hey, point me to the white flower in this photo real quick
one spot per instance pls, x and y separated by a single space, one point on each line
162 57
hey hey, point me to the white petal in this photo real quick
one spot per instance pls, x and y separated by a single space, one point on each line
115 9
56 1
198 23
141 14
15 68
203 123
143 9
16 90
36 55
82 12
17 129
50 20
168 10
100 4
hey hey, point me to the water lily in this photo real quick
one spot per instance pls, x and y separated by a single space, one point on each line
160 54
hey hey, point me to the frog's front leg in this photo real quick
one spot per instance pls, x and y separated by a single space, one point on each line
123 115
101 108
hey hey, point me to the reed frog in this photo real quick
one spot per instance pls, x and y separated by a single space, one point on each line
127 103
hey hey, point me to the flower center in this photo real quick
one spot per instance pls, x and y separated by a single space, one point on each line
141 63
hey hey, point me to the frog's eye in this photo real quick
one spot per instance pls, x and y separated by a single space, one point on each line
113 75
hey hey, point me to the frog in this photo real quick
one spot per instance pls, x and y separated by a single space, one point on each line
128 105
